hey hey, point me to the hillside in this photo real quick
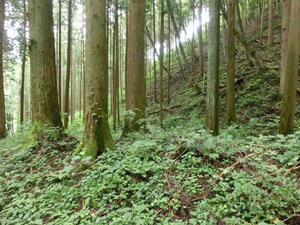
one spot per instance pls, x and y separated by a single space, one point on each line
178 174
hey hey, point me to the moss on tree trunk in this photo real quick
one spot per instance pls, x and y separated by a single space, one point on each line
97 137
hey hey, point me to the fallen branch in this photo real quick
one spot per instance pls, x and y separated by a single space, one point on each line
234 164
222 173
295 167
171 107
259 146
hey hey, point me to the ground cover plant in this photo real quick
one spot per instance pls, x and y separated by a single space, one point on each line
166 168
176 175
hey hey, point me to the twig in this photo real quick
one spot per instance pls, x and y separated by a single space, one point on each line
168 182
295 167
201 197
234 164
259 146
178 147
222 173
290 217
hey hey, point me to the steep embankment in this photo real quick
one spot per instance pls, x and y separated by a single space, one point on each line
256 90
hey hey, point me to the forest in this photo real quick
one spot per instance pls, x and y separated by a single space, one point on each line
150 112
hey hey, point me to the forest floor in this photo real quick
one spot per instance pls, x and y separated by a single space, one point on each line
178 174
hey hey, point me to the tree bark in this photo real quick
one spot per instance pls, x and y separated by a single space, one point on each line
22 102
284 46
241 37
97 137
200 37
136 93
169 59
224 37
212 107
262 20
230 98
68 75
271 22
116 67
287 114
44 97
59 57
177 33
161 63
2 98
154 51
244 14
193 57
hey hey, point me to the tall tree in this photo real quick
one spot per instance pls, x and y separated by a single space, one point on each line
22 91
193 57
212 105
68 75
2 98
230 115
169 59
291 72
284 45
244 13
136 93
161 60
177 36
44 98
271 22
59 55
200 37
116 72
97 137
262 19
154 49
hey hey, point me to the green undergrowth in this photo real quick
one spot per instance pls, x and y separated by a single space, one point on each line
176 175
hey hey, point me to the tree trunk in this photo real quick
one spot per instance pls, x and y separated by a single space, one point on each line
230 114
287 114
212 107
242 29
154 47
169 58
59 57
136 93
244 14
271 22
177 33
97 137
200 36
262 20
116 66
22 102
284 46
193 68
2 98
68 75
241 37
179 60
161 63
155 53
82 94
224 37
44 97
